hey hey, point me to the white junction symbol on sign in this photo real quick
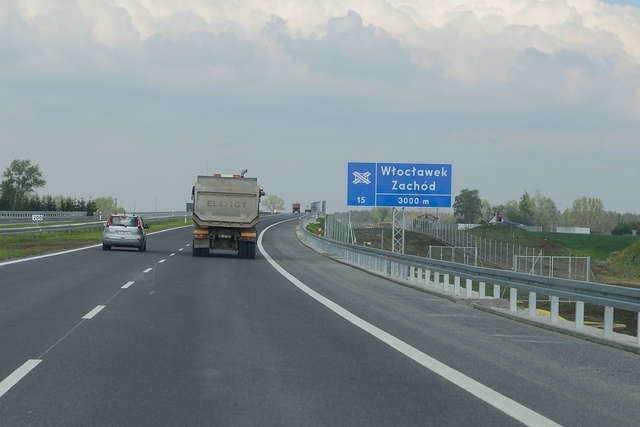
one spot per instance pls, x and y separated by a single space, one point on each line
361 177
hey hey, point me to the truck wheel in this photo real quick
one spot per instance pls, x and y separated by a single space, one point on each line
251 250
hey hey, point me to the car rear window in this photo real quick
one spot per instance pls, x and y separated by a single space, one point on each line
124 220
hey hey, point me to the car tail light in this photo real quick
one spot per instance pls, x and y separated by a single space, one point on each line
108 221
139 223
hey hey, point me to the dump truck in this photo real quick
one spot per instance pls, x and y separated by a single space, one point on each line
295 207
225 213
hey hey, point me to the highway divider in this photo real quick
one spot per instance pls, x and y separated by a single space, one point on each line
86 226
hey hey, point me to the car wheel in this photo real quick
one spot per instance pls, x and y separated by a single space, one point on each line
106 247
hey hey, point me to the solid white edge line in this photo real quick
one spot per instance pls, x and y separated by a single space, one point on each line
128 284
147 270
68 251
503 403
17 375
92 313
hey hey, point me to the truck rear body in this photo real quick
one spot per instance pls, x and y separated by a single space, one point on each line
225 214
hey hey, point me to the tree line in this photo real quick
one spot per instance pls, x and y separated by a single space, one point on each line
541 210
17 193
536 209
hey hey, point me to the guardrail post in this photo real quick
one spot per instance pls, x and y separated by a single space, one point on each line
469 286
436 279
579 314
513 300
427 278
638 330
419 278
532 304
446 282
608 321
496 291
555 305
481 289
456 285
412 273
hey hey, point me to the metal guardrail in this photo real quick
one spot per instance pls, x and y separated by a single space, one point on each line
37 230
437 275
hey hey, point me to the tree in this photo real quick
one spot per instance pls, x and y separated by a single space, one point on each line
466 206
20 179
526 206
91 208
587 212
621 229
546 213
273 203
381 214
486 211
106 205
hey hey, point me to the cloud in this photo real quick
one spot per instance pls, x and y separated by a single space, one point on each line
332 76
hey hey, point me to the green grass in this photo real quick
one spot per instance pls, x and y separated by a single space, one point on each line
28 245
314 226
599 247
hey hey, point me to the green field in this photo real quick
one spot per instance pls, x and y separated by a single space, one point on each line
36 244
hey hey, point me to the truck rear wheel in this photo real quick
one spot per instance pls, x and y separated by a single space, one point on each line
199 251
247 250
251 250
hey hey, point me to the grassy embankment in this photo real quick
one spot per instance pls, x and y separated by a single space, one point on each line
610 257
40 243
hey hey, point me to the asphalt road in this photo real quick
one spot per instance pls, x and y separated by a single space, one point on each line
228 341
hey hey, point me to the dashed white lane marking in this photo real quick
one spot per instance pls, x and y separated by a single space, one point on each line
92 313
181 249
490 396
172 254
147 270
188 244
17 375
128 284
161 261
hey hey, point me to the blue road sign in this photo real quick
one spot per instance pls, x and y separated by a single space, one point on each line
412 185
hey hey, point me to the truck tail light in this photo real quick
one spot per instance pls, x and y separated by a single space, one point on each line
200 234
247 235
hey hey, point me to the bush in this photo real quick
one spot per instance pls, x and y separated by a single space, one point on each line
621 229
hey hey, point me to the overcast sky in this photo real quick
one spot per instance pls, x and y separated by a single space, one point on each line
134 98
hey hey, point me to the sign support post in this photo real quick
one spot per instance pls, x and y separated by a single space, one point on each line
397 244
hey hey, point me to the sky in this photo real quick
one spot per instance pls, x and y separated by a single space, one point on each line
134 98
